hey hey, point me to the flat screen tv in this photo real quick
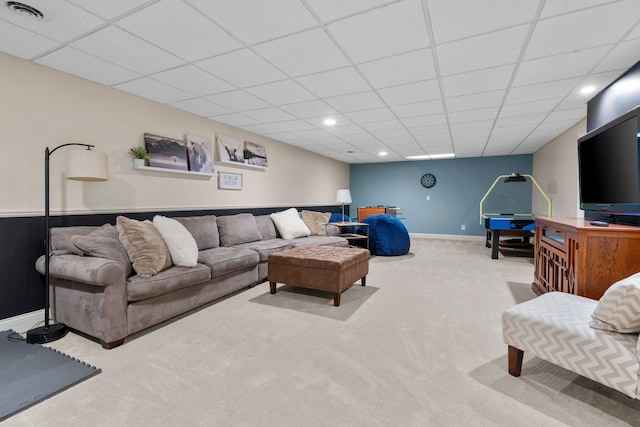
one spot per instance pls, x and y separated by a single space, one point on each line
609 167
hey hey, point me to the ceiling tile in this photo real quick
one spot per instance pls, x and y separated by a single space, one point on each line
89 67
307 109
121 48
174 26
281 93
303 53
527 108
374 115
550 90
410 93
319 121
520 121
235 119
242 68
452 20
193 80
415 109
22 43
558 67
108 9
382 125
583 29
473 115
431 120
200 107
312 133
267 20
359 139
561 7
62 21
484 51
400 69
488 80
345 130
262 129
377 33
294 125
621 57
355 102
335 82
237 100
439 130
271 114
329 10
153 89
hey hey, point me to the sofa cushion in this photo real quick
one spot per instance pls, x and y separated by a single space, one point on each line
227 260
145 247
266 227
103 242
619 308
289 224
204 230
319 241
237 229
181 244
266 247
139 288
316 221
60 240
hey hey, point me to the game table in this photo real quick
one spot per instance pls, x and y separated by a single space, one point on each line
509 225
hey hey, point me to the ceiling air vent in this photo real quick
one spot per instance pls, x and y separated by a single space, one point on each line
24 10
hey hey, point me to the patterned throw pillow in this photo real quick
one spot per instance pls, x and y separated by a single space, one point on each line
619 308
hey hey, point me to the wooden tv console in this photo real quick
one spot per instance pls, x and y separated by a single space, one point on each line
573 256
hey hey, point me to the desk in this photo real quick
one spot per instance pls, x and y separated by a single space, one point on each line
386 210
509 225
352 237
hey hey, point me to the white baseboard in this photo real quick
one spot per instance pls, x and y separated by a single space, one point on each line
446 236
22 322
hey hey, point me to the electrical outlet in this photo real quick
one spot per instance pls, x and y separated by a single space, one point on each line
428 198
463 227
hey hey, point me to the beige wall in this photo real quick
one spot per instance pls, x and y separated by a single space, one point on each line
555 168
42 107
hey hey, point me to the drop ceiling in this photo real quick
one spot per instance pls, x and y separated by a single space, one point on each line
407 77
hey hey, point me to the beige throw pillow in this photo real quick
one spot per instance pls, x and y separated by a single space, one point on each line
146 249
316 221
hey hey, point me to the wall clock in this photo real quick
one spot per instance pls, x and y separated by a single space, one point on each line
428 180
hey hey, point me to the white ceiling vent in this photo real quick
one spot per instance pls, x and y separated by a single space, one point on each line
25 10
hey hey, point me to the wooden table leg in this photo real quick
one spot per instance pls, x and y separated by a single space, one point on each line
336 299
272 285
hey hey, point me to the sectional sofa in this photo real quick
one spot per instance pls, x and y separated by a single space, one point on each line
99 287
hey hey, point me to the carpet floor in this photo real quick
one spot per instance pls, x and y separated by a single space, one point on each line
420 345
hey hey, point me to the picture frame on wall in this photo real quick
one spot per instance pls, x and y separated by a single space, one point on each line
166 152
255 154
199 153
229 181
229 149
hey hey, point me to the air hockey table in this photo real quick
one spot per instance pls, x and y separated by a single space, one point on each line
509 225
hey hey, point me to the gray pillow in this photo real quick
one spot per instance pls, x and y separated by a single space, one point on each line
103 242
204 230
266 227
60 239
237 229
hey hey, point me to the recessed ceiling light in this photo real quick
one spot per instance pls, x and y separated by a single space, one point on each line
382 153
587 90
329 122
24 10
431 156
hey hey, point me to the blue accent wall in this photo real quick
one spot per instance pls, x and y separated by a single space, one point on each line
454 200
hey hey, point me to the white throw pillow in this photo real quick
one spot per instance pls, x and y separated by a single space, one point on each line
619 308
182 246
289 224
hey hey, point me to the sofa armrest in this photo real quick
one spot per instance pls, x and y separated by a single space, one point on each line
90 270
332 230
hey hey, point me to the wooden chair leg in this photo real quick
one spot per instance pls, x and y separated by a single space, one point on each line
515 361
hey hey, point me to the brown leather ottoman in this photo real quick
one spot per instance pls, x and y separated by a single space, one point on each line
326 268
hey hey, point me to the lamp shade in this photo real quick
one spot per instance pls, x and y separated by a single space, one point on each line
87 165
343 196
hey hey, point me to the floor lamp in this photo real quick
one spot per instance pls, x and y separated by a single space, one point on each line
343 196
83 165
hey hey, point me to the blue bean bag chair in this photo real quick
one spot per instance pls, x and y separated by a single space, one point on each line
337 217
387 235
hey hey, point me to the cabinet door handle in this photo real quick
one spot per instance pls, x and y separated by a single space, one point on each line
550 262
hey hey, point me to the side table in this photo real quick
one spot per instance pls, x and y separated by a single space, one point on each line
352 237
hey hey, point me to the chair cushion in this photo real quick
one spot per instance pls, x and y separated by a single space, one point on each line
619 308
225 260
204 230
266 227
103 242
139 288
319 241
237 229
266 247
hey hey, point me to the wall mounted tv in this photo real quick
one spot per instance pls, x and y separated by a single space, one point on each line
609 166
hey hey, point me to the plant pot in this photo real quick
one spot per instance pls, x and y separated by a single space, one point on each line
138 163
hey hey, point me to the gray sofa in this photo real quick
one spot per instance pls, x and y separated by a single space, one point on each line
101 297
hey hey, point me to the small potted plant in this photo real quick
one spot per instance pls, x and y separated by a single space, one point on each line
140 155
247 155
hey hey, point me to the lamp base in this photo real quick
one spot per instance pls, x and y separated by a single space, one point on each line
49 333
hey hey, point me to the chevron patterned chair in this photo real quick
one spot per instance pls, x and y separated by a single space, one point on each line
595 339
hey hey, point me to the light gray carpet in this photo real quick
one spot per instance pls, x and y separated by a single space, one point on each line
421 345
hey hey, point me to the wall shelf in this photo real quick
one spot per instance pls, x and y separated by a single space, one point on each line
175 171
241 165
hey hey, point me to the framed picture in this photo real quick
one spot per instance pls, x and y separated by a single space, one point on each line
166 152
229 181
255 154
229 149
200 153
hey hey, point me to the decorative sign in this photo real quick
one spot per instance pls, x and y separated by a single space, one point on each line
229 181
